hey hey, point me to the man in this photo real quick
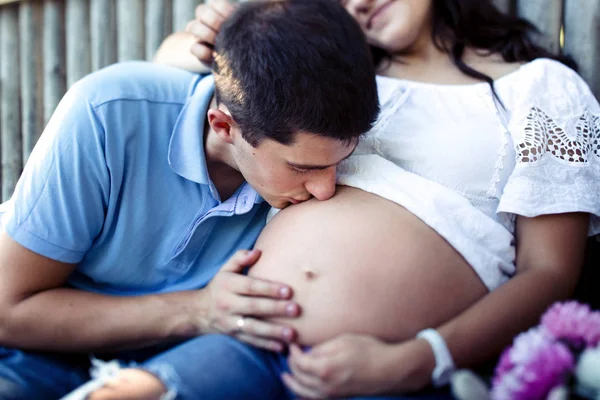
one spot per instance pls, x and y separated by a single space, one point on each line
129 226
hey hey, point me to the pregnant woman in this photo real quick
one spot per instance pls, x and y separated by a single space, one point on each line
466 209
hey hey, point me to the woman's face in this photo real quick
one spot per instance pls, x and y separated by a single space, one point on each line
392 25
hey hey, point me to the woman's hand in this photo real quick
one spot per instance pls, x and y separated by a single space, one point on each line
237 304
209 18
358 365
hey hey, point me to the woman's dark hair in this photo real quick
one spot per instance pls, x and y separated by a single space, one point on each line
459 24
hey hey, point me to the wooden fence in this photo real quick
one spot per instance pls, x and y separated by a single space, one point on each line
46 45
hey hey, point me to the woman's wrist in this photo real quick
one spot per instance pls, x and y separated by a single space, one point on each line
408 366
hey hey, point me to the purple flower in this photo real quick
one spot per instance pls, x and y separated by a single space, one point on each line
574 323
532 367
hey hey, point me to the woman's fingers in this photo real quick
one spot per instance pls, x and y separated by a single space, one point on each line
299 389
202 52
214 13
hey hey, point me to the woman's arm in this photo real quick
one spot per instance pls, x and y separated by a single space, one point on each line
175 50
550 251
192 49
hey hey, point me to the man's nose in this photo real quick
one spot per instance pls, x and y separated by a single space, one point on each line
322 186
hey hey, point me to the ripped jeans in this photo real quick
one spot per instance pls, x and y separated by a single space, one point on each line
210 367
45 375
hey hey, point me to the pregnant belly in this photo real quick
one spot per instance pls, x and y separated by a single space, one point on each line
360 263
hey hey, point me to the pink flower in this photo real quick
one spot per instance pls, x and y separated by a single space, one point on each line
574 323
532 367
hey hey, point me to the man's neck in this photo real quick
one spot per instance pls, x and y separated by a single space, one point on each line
220 162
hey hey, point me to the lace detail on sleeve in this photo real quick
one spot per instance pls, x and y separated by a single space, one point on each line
579 141
555 129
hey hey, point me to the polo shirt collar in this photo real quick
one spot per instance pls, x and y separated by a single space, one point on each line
186 148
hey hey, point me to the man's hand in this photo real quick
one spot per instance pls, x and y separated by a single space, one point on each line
238 304
209 18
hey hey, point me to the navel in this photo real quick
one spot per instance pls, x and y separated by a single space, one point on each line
309 273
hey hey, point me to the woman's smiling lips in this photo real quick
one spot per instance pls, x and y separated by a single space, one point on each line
377 13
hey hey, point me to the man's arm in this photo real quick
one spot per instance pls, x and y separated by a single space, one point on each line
37 312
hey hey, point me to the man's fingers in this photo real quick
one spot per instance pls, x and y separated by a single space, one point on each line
263 343
265 330
240 260
261 307
248 286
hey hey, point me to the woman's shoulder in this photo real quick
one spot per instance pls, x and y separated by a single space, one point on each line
547 68
550 84
542 74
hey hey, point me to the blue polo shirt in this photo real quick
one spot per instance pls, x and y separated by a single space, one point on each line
118 184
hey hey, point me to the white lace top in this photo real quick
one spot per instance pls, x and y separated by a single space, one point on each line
538 155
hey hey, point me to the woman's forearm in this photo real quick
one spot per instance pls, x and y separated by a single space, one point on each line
550 251
175 51
487 327
480 332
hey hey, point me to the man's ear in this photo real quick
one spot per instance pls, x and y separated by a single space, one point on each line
222 123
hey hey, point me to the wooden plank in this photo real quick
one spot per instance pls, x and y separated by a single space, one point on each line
508 6
54 56
103 33
158 24
130 30
582 39
547 16
10 129
30 23
78 39
183 12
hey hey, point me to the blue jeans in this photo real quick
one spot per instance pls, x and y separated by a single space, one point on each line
210 367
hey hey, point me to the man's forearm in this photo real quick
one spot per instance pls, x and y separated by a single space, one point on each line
73 320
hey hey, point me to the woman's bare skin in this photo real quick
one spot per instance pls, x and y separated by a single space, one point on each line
358 263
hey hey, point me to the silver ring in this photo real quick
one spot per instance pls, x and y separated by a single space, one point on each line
240 324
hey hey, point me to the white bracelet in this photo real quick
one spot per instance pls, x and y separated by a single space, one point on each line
444 365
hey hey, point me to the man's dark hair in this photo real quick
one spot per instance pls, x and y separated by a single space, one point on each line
283 67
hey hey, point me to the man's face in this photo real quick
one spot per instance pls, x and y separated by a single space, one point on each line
289 174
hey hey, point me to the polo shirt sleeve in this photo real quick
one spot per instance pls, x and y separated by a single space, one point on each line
59 203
